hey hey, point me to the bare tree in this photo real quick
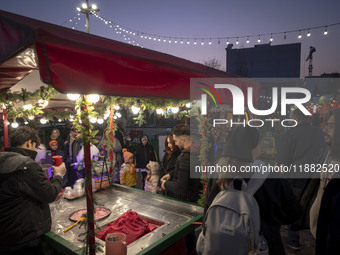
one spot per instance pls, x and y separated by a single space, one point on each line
213 63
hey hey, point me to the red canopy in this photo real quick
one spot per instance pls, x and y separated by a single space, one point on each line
74 61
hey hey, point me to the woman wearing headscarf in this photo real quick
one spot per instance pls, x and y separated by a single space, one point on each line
277 203
168 162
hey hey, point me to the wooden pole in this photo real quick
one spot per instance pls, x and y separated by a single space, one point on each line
88 180
5 129
111 138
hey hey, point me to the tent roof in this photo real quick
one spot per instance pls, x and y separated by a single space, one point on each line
74 61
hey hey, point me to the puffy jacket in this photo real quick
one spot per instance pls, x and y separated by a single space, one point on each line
144 154
24 197
128 175
180 184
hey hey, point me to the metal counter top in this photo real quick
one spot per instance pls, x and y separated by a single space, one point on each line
177 216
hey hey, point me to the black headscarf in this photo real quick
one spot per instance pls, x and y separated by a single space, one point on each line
240 143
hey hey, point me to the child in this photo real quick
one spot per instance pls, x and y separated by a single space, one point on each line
128 175
152 177
55 150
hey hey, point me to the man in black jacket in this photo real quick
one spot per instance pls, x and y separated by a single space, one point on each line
24 195
300 145
328 198
178 181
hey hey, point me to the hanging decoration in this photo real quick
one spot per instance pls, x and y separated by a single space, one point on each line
204 128
33 102
128 33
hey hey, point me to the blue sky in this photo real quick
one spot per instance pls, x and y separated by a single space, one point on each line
204 19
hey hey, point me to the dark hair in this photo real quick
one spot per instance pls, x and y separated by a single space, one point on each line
22 135
181 129
174 146
299 115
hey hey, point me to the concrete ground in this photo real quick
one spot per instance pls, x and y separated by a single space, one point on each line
307 242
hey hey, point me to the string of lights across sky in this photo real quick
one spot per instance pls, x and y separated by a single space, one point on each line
131 35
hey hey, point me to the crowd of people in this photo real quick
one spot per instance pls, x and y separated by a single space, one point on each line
301 203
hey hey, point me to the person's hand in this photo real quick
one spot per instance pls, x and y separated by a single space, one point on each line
163 187
166 177
60 195
59 170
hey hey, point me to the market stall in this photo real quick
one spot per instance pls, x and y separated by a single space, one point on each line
172 218
76 62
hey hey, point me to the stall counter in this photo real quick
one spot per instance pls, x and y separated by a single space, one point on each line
174 219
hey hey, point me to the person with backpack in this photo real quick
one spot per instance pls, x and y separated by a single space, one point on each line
275 199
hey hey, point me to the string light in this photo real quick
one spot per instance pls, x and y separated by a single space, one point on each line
299 36
207 41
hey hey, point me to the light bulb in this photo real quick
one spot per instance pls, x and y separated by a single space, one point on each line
116 107
14 125
93 120
31 117
325 32
159 111
43 121
94 6
175 109
118 114
135 110
100 121
188 105
84 5
73 97
308 34
78 9
93 98
26 122
27 107
59 120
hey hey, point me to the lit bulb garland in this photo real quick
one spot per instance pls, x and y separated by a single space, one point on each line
129 32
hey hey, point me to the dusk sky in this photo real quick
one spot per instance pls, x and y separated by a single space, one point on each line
205 19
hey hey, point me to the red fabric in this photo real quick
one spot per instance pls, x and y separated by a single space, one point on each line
128 223
78 62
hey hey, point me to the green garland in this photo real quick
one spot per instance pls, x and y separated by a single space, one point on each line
204 128
11 100
87 134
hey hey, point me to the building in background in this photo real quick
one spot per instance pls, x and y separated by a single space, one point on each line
265 61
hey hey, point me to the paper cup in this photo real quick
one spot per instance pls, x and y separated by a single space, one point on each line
57 160
116 247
